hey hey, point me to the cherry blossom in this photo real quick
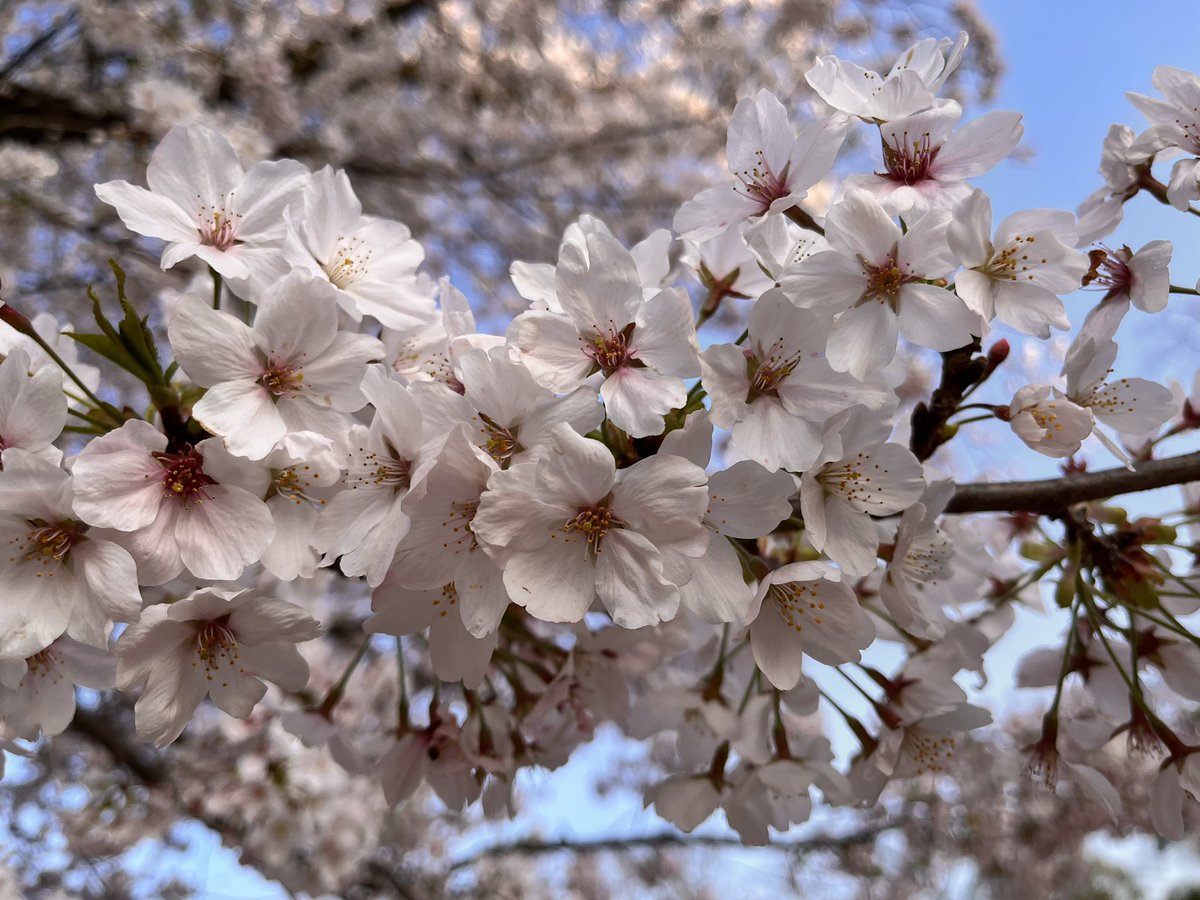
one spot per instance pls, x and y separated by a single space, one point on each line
1050 424
774 167
1141 279
571 530
176 512
37 694
213 643
33 407
203 203
1174 123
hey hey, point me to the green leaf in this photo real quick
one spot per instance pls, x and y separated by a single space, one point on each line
110 349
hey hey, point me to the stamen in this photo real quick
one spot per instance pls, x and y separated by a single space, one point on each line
183 475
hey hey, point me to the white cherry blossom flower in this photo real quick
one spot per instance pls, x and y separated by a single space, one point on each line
1051 425
33 407
37 694
1127 405
371 262
776 390
725 265
744 501
774 167
857 475
1016 276
1175 124
685 801
291 371
176 511
801 609
1102 211
880 277
216 643
424 353
48 328
1141 279
205 204
366 520
926 163
571 529
643 348
917 75
55 577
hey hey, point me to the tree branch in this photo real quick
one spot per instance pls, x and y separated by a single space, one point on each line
673 839
1053 495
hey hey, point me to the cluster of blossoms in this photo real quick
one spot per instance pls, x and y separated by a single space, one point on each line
589 518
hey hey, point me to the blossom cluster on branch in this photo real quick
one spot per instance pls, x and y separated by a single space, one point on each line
591 519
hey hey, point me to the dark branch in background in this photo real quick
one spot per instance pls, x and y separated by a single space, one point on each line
105 728
1054 495
674 839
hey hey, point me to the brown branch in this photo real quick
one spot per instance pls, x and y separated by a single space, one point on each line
101 729
1054 495
673 839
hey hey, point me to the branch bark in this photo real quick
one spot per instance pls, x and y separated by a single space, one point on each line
1054 495
671 839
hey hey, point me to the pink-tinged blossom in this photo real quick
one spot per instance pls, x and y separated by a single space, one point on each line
1102 211
926 163
773 167
434 755
365 521
857 475
917 75
425 353
59 340
454 653
1174 124
213 643
726 267
744 501
1016 276
292 371
205 204
440 547
1126 405
779 245
37 694
776 389
177 512
371 262
877 277
684 800
642 348
55 577
1142 279
806 609
570 530
33 407
1050 424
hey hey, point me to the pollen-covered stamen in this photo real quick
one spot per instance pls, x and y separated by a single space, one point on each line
216 646
884 281
855 480
295 482
762 185
928 559
610 349
1014 262
43 664
462 514
348 263
1046 417
183 474
593 523
500 442
447 601
797 604
217 224
768 374
909 161
930 752
52 543
282 380
368 468
1110 270
1110 399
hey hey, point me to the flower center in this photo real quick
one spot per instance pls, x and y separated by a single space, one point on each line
762 185
593 523
368 468
1013 261
610 351
348 263
767 375
795 600
1110 270
216 646
909 161
282 381
929 559
42 664
218 224
501 443
294 484
183 474
884 281
51 544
